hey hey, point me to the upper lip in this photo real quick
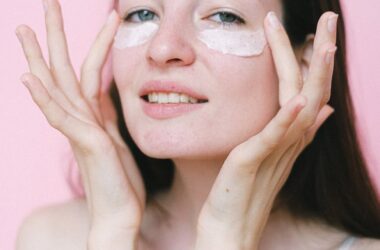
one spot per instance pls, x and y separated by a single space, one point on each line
169 86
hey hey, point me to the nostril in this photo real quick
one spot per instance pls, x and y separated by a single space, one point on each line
174 60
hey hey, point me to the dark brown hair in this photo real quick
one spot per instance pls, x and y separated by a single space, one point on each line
329 180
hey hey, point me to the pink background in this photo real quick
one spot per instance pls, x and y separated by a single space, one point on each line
34 156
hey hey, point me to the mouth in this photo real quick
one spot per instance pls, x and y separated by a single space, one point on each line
171 98
165 105
170 92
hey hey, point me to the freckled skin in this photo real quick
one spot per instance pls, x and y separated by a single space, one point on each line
242 93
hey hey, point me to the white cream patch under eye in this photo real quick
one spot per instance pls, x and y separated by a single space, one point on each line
238 43
130 36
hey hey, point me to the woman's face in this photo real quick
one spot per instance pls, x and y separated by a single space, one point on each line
241 91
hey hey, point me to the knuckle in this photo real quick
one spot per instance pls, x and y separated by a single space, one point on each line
244 156
57 121
308 120
239 154
268 142
283 125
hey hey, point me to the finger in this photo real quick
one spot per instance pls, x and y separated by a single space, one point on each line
290 78
57 117
326 29
256 149
92 67
274 172
320 77
239 171
317 87
108 188
38 65
284 165
59 57
326 34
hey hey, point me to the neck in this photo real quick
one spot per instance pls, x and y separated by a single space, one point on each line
176 211
192 182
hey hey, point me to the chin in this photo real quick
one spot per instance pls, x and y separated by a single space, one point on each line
176 148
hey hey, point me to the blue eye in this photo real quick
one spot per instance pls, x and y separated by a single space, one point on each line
228 18
143 15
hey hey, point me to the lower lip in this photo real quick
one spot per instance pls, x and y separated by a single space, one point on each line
165 111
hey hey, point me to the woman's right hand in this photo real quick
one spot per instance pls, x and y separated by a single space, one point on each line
114 188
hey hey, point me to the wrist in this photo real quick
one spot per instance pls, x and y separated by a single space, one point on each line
226 239
112 239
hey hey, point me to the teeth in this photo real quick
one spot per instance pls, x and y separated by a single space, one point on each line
153 97
173 98
170 98
184 98
162 98
193 100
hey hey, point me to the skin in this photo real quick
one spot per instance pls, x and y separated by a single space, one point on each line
200 68
230 180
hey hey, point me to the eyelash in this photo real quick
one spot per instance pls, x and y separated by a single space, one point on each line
128 17
238 20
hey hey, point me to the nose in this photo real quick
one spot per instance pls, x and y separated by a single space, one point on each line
170 46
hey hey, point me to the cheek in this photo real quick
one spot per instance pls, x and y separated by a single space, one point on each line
124 65
250 83
247 97
243 99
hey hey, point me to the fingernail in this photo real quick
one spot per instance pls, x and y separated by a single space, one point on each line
332 23
24 80
19 36
273 20
111 17
45 4
330 55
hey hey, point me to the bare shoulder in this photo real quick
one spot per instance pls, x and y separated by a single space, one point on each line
366 244
60 226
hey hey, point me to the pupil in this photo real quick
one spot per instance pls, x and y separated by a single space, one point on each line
226 17
145 15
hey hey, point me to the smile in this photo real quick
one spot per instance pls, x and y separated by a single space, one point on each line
165 98
163 109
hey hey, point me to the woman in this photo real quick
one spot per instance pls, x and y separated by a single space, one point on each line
215 172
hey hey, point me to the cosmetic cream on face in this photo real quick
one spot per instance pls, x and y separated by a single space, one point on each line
238 43
133 36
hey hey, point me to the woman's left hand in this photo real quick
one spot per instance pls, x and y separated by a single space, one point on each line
238 206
